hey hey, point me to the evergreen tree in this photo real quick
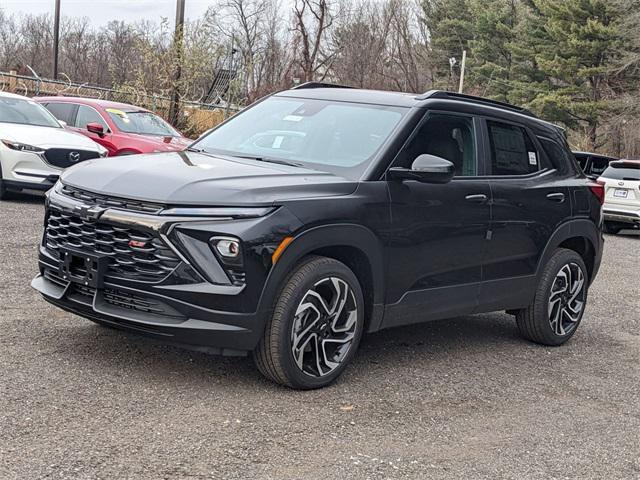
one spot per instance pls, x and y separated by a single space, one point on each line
567 51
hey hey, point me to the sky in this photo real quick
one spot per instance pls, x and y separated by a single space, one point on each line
100 12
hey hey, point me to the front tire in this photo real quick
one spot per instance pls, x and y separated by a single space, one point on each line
559 302
315 328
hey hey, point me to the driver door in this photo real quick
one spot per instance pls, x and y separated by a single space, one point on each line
439 231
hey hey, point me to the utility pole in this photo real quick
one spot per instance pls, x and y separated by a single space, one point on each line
56 38
462 65
174 109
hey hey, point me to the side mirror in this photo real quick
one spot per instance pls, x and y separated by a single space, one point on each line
425 168
62 123
95 127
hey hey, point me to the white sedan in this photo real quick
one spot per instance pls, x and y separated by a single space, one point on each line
34 146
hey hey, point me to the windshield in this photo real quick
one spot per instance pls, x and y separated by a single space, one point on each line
25 112
143 123
622 173
337 137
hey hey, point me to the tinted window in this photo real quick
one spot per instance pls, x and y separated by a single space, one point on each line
89 115
451 137
599 165
622 173
512 151
62 111
26 112
582 159
339 137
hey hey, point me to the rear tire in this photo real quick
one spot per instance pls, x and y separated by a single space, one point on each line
559 303
315 328
3 190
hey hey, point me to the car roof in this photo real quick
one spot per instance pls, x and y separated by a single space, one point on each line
13 95
93 102
432 98
592 154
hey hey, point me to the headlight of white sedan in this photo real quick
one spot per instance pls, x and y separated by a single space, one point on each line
22 147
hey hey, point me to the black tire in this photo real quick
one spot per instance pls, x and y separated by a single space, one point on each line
612 228
536 322
3 190
274 355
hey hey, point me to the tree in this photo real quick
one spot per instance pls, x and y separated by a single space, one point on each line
573 47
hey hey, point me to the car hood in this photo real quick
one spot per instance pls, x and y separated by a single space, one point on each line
46 137
155 143
189 178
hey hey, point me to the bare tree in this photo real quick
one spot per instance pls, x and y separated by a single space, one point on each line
312 20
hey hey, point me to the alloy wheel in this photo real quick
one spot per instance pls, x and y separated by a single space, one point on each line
324 327
567 299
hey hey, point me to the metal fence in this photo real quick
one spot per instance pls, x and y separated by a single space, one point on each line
196 116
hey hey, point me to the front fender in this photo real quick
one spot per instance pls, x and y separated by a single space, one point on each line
334 235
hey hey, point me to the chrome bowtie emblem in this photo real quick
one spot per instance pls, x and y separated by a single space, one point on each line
88 213
74 156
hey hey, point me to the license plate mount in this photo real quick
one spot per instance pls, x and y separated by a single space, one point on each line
620 193
84 268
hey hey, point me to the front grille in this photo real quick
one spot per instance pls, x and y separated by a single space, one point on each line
129 301
150 260
96 199
65 157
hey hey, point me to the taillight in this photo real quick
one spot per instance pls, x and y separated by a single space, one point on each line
597 188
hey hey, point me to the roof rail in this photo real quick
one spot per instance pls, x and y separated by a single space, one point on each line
306 85
474 99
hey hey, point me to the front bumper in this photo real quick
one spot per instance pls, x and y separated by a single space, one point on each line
185 306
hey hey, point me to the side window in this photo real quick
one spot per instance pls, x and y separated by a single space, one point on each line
451 137
89 115
62 111
512 150
599 165
560 156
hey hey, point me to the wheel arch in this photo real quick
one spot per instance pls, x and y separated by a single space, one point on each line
581 236
354 245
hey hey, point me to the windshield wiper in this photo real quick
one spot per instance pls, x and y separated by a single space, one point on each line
270 160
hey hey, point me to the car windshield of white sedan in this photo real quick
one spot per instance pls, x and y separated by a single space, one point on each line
340 137
143 123
25 112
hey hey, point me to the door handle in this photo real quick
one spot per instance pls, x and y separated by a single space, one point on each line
556 197
477 198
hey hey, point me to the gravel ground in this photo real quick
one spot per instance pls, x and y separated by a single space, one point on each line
463 399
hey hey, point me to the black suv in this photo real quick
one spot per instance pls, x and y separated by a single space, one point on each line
321 213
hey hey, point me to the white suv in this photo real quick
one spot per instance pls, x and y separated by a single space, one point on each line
34 146
621 182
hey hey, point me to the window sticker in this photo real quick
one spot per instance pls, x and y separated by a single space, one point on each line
533 159
277 143
293 118
120 113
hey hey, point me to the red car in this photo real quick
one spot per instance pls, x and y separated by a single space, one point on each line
121 128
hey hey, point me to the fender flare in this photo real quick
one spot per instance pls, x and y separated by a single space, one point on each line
332 235
580 228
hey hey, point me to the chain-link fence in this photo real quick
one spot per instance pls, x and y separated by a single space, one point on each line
195 116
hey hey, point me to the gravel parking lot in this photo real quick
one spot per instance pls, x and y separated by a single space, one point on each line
465 398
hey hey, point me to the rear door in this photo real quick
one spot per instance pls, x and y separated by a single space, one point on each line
530 201
63 111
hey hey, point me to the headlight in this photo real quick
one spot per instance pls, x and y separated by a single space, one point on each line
22 147
226 212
